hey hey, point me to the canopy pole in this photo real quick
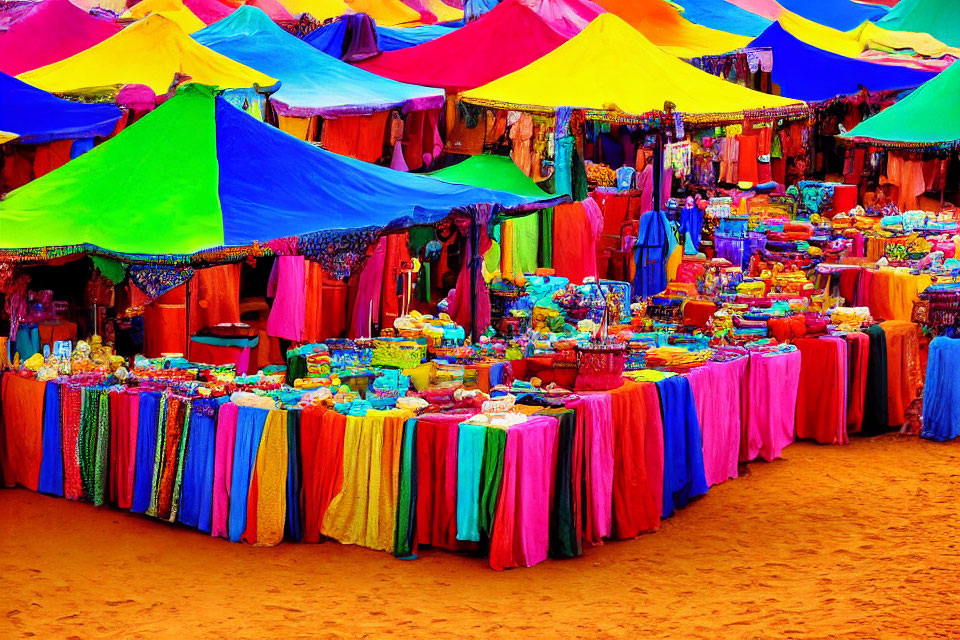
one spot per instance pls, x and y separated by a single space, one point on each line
474 274
186 347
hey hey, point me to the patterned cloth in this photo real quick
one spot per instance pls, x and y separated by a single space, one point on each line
156 280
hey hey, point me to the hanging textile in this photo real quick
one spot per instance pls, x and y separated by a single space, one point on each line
595 412
716 392
293 528
404 541
250 425
683 474
769 405
196 500
822 397
321 440
148 420
875 413
576 229
266 504
469 464
226 439
437 480
51 466
22 420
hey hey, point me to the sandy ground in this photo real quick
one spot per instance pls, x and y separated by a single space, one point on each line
861 541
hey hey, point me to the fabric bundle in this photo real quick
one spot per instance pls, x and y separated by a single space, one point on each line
941 396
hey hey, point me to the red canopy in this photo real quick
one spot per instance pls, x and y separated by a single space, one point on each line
49 32
509 37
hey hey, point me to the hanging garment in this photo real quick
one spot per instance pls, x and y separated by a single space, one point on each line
521 135
293 528
716 391
366 304
223 469
360 137
250 425
638 460
652 251
304 128
288 287
406 492
521 527
822 396
437 480
683 474
321 441
22 421
460 307
196 499
903 368
266 507
875 412
469 463
51 466
769 405
147 427
576 229
595 413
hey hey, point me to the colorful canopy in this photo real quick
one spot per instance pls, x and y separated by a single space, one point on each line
35 116
173 10
566 17
198 173
319 9
839 14
491 172
928 116
666 28
312 83
499 43
434 11
813 74
390 13
939 18
720 14
147 52
207 11
589 72
49 32
272 8
394 38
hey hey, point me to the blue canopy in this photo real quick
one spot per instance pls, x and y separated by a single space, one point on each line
35 116
839 14
811 74
725 16
198 173
393 38
312 83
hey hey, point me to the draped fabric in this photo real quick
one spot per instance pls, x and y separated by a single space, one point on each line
566 523
822 397
941 395
876 410
576 230
595 415
683 475
437 480
521 528
293 528
404 541
22 430
469 464
147 421
716 392
123 458
51 465
638 450
196 500
769 405
322 441
858 350
250 425
223 469
491 474
266 506
904 376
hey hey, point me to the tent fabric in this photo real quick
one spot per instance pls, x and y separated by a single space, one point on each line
928 116
835 76
839 14
36 116
566 17
312 83
725 16
319 9
272 8
393 38
939 18
503 41
670 31
174 10
205 174
390 13
434 11
491 172
49 32
587 72
149 52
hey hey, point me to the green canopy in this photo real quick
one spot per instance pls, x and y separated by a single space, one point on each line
939 18
930 116
500 173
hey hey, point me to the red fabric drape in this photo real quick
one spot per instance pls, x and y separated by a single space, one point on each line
437 440
821 400
21 429
321 450
359 137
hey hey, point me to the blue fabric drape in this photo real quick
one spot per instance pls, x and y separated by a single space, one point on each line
196 493
652 250
51 465
839 14
941 394
148 419
683 474
294 524
250 423
723 15
394 38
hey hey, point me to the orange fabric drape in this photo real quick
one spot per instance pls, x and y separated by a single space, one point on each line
903 368
359 137
303 128
21 428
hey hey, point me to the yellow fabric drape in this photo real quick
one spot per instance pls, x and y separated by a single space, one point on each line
304 128
364 512
147 52
173 10
272 462
506 249
588 72
387 13
319 9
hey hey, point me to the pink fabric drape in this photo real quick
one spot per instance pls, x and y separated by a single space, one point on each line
369 292
521 528
716 393
288 284
858 358
596 414
223 468
769 405
460 300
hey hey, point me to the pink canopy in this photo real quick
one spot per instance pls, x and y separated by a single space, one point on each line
49 32
209 11
509 37
567 17
272 8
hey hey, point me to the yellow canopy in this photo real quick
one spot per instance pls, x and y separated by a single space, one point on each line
611 67
663 25
148 52
387 13
173 10
443 11
319 9
867 36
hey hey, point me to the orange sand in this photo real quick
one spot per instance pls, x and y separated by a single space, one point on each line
861 541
